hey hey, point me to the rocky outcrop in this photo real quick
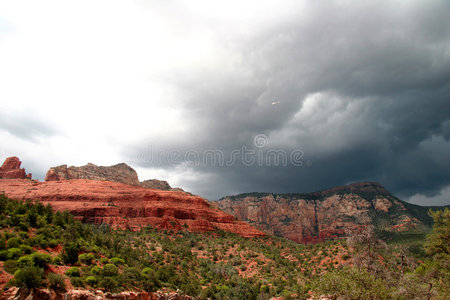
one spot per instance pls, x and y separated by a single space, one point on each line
327 214
119 173
122 173
156 184
11 169
159 185
126 206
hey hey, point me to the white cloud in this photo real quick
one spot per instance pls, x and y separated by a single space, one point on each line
442 198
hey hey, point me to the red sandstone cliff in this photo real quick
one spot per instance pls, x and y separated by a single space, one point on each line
11 169
126 206
326 214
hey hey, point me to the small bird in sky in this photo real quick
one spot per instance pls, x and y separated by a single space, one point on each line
275 102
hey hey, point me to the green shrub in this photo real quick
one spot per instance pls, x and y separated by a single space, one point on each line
117 261
43 243
351 283
30 277
56 282
110 270
76 282
3 255
2 243
41 259
150 282
132 275
11 266
73 272
26 249
70 253
104 260
14 242
14 253
25 261
110 284
86 258
57 260
53 243
91 280
96 270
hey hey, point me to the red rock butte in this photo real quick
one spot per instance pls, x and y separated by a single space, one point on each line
11 169
127 207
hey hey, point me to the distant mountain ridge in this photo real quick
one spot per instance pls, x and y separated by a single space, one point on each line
331 213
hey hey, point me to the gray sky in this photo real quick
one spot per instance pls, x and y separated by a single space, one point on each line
224 97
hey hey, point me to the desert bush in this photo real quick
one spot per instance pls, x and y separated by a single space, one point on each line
13 253
57 260
70 253
117 261
73 272
150 281
96 270
56 282
25 261
110 270
110 284
11 266
30 277
91 280
26 249
3 255
41 259
14 242
77 282
86 258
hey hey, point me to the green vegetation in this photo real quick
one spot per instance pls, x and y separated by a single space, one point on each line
380 271
42 248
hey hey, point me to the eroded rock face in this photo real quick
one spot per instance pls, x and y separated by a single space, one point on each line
332 213
119 173
156 184
160 185
11 169
122 173
127 206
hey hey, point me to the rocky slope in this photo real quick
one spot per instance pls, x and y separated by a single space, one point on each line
118 173
122 173
11 169
156 184
159 185
127 206
331 213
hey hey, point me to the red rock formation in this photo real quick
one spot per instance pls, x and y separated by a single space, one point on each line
327 214
11 169
126 206
119 173
122 173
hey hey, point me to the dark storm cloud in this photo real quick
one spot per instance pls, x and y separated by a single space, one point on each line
364 92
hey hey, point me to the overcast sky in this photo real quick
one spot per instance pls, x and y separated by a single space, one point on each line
225 97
